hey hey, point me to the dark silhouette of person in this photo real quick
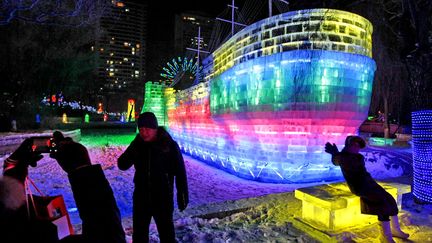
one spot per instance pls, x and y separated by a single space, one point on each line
158 162
101 221
374 199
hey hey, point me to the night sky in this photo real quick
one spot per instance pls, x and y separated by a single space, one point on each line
211 7
161 14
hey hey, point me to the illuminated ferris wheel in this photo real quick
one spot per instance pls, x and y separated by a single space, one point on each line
180 69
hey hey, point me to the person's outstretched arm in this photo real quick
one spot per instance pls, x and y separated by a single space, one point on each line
126 160
16 166
334 151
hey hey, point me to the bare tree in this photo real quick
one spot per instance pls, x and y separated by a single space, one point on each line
418 52
389 80
46 49
59 12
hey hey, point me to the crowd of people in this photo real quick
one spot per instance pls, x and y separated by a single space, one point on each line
158 165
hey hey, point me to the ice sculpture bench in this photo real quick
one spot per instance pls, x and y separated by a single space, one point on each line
333 207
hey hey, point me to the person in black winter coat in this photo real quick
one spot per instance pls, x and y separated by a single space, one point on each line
158 162
101 221
15 225
374 199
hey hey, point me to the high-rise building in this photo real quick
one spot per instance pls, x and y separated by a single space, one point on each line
121 49
186 33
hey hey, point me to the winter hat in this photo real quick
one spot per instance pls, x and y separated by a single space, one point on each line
355 139
147 119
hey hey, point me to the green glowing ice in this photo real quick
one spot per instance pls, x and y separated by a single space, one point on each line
100 140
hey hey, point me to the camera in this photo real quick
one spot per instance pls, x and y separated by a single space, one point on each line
43 144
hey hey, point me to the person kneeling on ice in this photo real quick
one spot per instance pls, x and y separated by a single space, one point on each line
374 199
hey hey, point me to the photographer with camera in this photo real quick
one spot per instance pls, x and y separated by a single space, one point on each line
101 221
15 224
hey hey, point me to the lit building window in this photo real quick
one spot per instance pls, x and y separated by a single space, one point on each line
127 10
125 59
92 48
136 72
111 54
120 4
101 49
137 45
111 74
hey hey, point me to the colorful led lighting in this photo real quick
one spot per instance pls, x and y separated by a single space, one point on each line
313 29
131 110
154 101
422 154
267 116
259 126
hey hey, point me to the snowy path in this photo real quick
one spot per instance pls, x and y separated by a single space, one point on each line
264 210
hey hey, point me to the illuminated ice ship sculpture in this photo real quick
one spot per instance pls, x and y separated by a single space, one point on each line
273 95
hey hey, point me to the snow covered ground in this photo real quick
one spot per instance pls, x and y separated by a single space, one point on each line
225 208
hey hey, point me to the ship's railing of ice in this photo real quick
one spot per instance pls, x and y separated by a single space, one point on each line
315 29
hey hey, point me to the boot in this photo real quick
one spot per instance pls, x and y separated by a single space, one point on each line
395 228
386 234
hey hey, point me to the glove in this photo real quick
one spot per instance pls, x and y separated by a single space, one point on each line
331 148
69 154
182 201
25 154
17 164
